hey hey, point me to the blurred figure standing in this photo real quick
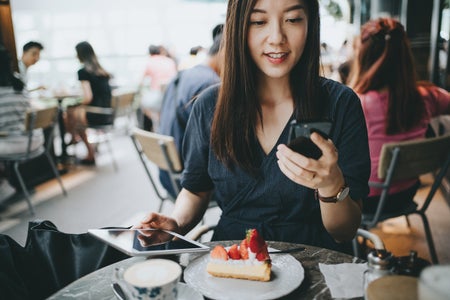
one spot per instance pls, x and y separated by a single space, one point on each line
196 56
396 107
159 70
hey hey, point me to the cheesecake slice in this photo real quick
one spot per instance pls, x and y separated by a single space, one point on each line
250 260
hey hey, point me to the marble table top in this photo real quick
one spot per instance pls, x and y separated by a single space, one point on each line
97 285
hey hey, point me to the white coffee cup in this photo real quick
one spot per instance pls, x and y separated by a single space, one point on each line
434 283
153 279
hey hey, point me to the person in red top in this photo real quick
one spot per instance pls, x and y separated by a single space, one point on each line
159 70
396 107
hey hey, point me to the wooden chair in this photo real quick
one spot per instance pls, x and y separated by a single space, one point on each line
124 106
159 150
35 119
101 134
121 105
405 160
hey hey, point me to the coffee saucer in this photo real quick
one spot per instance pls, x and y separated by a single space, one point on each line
185 292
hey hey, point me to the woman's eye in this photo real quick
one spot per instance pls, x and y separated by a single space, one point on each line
294 20
258 22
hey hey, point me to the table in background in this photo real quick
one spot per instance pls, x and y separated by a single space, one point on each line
61 126
97 285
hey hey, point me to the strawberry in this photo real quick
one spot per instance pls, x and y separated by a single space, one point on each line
263 255
255 241
243 249
233 252
219 252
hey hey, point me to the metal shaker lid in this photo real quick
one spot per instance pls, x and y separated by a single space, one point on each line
380 259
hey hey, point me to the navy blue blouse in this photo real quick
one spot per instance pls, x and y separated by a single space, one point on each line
279 208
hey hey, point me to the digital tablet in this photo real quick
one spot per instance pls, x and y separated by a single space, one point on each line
147 242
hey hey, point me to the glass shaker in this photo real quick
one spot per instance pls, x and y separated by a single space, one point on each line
379 263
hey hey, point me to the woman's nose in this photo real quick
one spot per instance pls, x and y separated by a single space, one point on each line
276 34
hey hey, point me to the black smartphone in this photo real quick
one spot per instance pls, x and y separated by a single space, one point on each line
299 138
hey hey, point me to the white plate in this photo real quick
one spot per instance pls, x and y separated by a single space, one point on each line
185 292
287 275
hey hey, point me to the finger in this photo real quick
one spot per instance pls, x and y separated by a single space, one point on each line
297 158
305 177
326 145
151 220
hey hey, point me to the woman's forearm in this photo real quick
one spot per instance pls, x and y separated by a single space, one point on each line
341 219
189 209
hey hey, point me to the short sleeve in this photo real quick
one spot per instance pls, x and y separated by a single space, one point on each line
196 143
83 75
351 140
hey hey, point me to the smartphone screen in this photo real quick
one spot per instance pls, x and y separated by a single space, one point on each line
299 137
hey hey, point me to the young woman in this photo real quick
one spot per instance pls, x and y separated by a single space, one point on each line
96 92
396 107
236 135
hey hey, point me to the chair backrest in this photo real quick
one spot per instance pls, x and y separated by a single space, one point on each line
153 145
40 118
123 102
414 158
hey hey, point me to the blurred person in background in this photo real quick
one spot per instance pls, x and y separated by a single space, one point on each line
159 70
179 98
196 56
96 91
13 106
396 106
30 56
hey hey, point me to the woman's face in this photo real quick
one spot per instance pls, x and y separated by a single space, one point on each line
277 36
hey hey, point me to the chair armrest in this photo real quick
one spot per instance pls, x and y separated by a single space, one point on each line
99 110
375 239
197 233
374 184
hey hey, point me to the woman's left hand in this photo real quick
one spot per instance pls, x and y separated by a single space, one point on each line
323 174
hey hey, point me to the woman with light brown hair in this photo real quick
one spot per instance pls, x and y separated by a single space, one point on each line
396 106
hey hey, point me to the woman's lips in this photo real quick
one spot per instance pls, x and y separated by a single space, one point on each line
276 57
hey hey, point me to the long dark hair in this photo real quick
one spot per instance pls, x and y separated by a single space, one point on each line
238 109
7 78
384 60
87 56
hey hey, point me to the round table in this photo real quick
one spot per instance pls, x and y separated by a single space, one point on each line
97 285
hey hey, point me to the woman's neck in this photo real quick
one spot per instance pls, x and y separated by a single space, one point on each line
273 91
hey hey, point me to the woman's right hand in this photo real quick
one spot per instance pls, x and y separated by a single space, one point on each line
158 221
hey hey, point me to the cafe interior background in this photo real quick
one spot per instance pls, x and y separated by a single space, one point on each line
121 32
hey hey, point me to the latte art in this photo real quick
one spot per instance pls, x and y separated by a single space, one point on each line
151 273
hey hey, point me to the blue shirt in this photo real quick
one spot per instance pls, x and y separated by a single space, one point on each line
177 107
279 208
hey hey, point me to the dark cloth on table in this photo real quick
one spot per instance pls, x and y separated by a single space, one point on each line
177 106
49 261
279 208
101 96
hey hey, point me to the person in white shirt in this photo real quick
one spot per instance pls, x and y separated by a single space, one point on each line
30 56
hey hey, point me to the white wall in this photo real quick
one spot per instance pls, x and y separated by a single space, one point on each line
120 32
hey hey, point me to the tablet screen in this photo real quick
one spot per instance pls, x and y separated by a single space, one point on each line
140 242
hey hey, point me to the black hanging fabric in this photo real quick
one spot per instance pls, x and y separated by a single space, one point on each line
49 261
